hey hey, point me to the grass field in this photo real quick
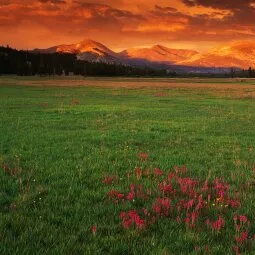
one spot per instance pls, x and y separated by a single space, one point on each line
59 138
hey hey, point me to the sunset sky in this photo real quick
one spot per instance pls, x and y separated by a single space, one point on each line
119 24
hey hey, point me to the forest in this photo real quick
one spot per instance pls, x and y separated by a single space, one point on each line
29 63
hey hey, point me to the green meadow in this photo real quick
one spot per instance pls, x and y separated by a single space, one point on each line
57 144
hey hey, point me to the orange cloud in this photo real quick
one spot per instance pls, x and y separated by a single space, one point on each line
159 27
125 23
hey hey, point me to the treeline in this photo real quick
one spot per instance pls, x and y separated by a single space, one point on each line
26 63
251 73
230 73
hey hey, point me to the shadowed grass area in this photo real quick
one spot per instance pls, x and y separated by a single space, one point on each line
63 141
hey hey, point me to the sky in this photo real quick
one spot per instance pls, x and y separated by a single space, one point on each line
121 24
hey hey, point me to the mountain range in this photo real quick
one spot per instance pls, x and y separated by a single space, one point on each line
236 54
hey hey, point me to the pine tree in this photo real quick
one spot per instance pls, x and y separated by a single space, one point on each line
250 72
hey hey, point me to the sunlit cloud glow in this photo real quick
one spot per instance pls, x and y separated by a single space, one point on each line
122 23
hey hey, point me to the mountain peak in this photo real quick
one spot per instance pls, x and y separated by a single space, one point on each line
86 46
88 42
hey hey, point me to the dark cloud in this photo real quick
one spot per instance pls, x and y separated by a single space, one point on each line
165 9
53 1
106 10
240 23
220 4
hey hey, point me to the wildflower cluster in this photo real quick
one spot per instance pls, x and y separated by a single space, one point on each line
155 195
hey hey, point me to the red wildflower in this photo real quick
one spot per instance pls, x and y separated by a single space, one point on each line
220 187
132 214
138 172
179 205
93 229
127 223
162 206
158 172
208 222
243 218
218 224
187 185
6 169
180 169
178 219
156 208
123 215
243 237
114 194
194 216
236 249
200 203
120 196
139 191
145 211
143 156
130 218
187 220
130 196
234 203
171 176
188 205
109 180
238 227
205 188
209 198
166 188
140 223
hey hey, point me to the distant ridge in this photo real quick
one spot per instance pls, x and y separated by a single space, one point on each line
239 54
159 53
